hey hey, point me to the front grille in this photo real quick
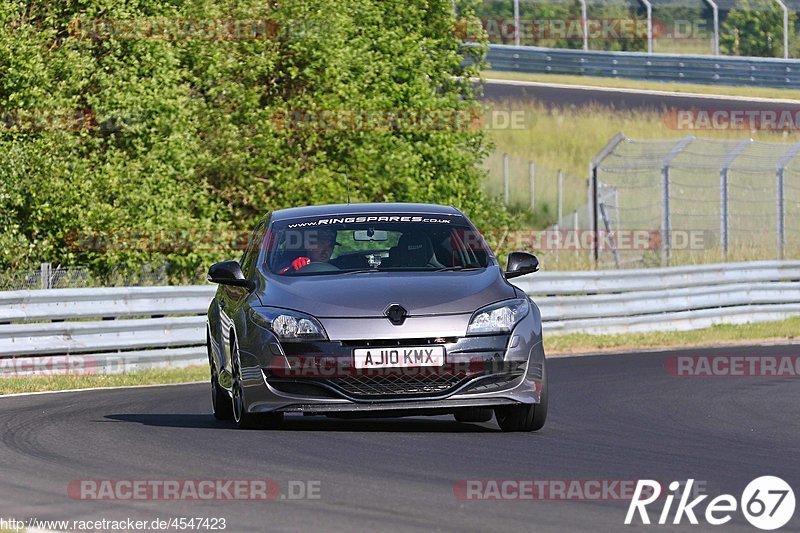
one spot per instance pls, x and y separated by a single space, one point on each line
398 384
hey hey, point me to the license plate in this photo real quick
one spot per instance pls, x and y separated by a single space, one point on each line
399 357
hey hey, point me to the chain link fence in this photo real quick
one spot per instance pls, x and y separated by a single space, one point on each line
697 200
48 276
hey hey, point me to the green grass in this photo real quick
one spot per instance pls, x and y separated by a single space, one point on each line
726 90
158 376
785 330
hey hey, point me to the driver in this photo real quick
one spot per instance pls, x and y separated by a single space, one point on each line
320 250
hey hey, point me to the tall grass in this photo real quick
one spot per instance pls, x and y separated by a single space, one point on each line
568 138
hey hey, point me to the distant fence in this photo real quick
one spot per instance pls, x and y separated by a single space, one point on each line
749 71
704 200
124 329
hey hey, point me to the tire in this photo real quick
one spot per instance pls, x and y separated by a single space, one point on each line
221 405
524 417
241 417
473 414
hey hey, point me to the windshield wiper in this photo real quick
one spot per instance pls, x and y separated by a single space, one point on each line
362 270
457 268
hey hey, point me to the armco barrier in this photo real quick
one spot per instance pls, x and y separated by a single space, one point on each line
120 329
726 70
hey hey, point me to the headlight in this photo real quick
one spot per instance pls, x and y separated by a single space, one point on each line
498 318
288 325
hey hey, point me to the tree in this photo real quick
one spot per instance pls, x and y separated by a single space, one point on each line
188 133
754 28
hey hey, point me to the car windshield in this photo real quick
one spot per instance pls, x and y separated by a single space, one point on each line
374 243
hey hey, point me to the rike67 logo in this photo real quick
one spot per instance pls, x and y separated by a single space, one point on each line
767 503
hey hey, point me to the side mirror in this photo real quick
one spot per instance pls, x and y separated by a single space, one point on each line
227 273
521 263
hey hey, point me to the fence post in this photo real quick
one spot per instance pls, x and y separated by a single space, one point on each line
505 179
783 162
531 175
516 22
666 220
665 229
584 25
723 211
785 28
595 239
577 233
781 214
649 7
44 272
723 193
593 190
560 195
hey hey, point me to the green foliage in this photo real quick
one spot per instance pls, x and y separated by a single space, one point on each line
185 134
755 28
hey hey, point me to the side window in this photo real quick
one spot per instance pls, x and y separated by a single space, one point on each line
251 251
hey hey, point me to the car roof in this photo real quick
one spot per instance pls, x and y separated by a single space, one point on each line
359 208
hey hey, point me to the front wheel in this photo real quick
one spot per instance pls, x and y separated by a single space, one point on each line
524 417
221 405
243 419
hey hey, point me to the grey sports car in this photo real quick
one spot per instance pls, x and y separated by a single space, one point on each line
374 310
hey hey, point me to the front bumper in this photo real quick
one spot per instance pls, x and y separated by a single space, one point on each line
317 378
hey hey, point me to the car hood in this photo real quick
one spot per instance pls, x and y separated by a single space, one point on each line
369 294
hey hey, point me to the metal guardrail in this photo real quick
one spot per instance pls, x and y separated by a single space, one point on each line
121 329
102 330
664 299
749 71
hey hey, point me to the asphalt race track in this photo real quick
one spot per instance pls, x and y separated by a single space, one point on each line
612 417
629 99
